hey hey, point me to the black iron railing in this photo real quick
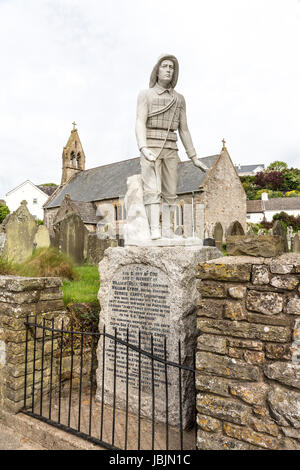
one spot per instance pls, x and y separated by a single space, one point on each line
119 390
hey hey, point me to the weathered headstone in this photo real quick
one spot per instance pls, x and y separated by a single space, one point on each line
42 237
255 245
236 229
218 235
18 232
96 248
71 237
151 290
278 230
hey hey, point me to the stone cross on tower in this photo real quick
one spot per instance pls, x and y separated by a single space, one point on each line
224 142
73 157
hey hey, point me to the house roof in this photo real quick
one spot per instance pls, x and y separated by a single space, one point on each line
247 168
110 181
47 189
87 212
27 182
254 206
283 203
275 204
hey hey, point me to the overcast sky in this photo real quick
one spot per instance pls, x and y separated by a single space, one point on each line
86 60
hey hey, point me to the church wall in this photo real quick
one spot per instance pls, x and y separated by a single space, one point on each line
224 197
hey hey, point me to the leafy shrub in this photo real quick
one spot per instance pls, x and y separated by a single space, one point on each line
4 211
291 179
292 193
288 220
271 194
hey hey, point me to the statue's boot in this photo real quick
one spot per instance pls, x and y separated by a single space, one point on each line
153 213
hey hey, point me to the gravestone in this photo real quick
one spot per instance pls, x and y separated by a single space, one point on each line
266 246
218 235
42 237
151 290
278 230
96 248
18 232
236 229
71 236
296 244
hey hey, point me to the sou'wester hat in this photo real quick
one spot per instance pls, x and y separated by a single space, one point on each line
153 76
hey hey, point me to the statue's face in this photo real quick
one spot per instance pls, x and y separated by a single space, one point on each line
166 71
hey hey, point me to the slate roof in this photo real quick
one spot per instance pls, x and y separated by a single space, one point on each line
247 168
109 181
87 212
276 204
254 206
47 189
282 204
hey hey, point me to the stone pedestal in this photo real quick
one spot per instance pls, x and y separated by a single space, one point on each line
152 292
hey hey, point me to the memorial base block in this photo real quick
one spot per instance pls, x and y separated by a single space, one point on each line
149 293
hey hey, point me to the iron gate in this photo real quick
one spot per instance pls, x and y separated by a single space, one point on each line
140 400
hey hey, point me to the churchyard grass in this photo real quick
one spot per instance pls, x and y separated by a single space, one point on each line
85 288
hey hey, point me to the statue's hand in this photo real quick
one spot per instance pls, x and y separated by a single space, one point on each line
148 154
199 164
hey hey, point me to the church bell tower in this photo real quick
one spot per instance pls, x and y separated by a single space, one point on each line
73 157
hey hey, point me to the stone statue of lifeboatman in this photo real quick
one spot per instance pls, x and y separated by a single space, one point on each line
161 111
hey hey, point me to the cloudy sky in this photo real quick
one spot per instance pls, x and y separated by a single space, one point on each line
86 60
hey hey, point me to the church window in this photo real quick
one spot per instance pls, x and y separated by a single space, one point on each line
78 160
179 215
116 212
72 158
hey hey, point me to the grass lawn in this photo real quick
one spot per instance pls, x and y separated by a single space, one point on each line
85 288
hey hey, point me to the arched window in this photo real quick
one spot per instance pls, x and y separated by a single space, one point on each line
72 158
116 212
78 159
179 214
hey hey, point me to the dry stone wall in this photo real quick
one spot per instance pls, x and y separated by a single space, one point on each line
248 357
20 297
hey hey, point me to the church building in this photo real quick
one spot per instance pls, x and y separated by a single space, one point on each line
214 200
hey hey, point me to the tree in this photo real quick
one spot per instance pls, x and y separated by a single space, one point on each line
270 180
277 166
4 211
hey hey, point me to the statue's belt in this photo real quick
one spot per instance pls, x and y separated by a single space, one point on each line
164 109
161 134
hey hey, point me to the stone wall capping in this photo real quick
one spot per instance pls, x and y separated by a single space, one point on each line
23 284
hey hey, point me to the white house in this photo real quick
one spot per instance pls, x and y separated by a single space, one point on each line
266 208
36 197
249 170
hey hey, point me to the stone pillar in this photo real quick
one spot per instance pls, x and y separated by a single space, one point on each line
199 221
248 360
20 297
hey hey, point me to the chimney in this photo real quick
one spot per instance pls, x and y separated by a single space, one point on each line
264 197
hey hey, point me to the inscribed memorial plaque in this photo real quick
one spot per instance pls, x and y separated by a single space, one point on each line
149 295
